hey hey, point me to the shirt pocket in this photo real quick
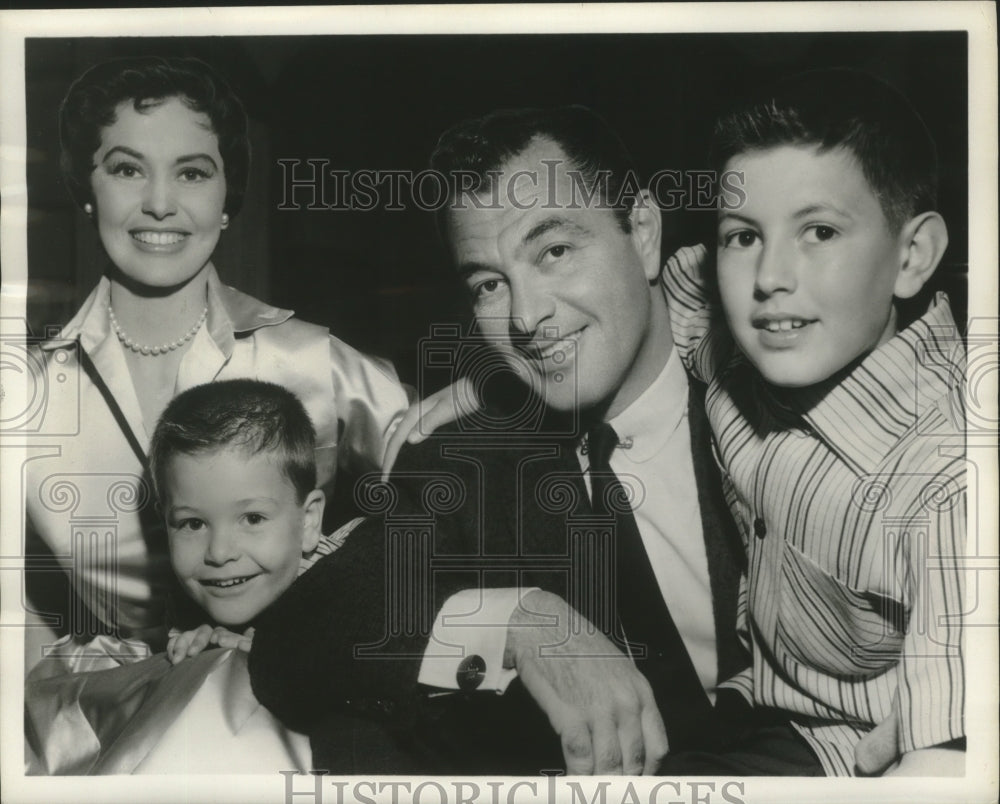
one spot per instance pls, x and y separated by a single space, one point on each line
829 626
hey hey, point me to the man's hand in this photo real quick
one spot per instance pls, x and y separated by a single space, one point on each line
183 644
599 704
427 415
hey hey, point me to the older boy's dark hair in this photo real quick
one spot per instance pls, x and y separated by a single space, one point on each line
92 102
249 415
477 147
842 108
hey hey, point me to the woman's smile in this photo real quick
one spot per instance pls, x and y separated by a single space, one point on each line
159 241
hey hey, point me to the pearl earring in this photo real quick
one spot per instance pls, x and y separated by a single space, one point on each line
88 208
225 220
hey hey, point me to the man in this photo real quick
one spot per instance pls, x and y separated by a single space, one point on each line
534 567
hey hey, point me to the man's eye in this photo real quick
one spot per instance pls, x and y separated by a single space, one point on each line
486 288
555 252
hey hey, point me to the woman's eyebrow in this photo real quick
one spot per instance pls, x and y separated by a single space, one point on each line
194 158
180 160
123 149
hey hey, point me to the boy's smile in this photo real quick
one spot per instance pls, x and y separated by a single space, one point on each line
237 530
807 266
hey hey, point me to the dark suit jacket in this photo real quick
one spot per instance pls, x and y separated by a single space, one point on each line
477 504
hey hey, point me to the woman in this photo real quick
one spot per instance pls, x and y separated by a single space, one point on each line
155 152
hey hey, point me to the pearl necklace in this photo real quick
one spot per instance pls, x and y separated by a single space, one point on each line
143 349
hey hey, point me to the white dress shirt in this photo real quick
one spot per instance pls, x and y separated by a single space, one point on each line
659 464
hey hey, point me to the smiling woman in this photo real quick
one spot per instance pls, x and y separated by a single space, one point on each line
159 210
155 152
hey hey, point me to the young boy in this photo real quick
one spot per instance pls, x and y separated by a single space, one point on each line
839 425
234 469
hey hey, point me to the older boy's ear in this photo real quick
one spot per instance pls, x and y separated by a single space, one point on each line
646 233
312 520
922 242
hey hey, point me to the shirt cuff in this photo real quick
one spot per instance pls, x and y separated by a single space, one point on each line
468 641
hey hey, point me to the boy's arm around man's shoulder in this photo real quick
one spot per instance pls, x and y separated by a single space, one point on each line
699 332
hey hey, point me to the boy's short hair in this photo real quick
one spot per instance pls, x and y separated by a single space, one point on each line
842 108
250 415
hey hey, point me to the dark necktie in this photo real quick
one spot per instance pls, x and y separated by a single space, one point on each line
656 645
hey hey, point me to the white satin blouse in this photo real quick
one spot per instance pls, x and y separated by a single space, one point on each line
85 493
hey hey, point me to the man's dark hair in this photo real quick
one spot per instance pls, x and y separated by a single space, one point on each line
92 102
237 414
841 108
481 146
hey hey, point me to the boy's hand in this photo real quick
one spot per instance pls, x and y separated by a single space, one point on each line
183 644
188 643
227 639
878 750
878 754
427 415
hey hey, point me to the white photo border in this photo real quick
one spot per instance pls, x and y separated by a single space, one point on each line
978 19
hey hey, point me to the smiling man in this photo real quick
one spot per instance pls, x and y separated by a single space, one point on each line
587 571
572 286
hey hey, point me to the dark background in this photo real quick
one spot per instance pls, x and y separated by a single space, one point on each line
379 278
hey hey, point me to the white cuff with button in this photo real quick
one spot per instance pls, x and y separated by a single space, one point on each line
467 643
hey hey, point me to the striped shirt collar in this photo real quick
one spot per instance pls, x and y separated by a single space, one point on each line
863 415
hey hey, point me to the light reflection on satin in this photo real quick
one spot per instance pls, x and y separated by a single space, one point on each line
199 716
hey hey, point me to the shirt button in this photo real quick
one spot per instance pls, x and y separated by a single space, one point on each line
759 528
471 672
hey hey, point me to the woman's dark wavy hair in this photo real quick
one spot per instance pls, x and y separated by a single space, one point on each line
91 103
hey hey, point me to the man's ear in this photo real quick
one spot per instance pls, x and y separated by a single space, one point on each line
646 233
922 243
312 519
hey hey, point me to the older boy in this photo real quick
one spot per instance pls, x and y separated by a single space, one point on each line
839 424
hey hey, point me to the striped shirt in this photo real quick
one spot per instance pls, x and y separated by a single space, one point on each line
851 498
327 544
